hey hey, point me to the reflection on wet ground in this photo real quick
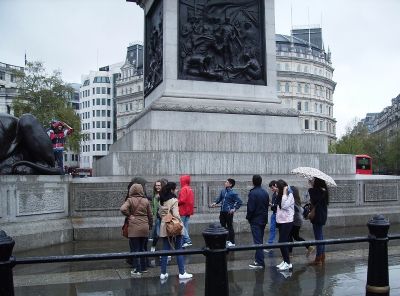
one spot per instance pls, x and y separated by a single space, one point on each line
344 273
337 278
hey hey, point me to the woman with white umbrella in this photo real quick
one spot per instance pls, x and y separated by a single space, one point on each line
319 198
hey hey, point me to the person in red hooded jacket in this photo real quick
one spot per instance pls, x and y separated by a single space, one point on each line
186 205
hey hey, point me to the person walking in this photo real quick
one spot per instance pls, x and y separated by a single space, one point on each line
169 204
230 203
284 219
257 215
319 198
273 204
298 222
137 209
186 206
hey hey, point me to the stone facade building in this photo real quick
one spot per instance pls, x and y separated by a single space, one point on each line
304 79
129 99
8 86
388 121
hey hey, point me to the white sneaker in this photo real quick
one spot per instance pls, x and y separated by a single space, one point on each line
185 276
279 265
186 245
229 244
152 249
163 276
285 266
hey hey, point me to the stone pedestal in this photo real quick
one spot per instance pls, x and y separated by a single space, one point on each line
210 98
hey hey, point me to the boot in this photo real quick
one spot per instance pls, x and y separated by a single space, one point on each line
322 258
317 261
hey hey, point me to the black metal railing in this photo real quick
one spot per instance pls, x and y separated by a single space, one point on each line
216 273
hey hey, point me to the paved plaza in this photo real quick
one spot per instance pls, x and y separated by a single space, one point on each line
344 273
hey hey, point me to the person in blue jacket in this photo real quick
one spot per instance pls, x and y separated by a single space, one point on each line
257 215
230 202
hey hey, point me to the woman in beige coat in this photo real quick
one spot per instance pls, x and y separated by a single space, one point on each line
137 209
169 203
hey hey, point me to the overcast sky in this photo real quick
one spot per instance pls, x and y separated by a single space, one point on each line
76 36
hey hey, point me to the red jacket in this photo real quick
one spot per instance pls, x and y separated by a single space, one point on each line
186 197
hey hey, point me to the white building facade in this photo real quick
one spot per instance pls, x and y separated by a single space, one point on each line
96 110
304 80
129 99
8 86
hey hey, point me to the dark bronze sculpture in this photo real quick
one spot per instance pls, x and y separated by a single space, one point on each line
154 48
222 41
25 148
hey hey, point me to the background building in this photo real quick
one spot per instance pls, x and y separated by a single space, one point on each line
96 102
8 86
129 98
304 79
388 121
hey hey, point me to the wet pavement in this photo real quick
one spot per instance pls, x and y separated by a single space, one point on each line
344 273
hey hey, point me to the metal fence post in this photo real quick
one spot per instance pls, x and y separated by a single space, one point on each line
216 261
378 267
6 266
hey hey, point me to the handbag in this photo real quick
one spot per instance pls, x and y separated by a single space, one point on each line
124 228
308 211
173 225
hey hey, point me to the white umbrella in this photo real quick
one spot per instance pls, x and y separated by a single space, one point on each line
310 173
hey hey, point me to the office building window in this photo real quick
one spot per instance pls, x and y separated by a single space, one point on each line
98 136
108 124
98 113
98 124
103 113
2 75
108 113
306 106
316 125
98 102
103 101
108 102
299 105
103 124
306 124
103 147
98 90
103 136
98 147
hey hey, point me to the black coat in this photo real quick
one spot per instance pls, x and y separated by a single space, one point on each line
319 201
257 206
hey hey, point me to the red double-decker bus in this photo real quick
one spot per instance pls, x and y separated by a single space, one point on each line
363 164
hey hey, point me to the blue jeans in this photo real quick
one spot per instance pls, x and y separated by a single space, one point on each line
137 244
186 237
58 155
272 229
318 235
156 231
257 230
177 245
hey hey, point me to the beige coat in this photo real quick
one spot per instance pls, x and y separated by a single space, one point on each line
137 208
171 204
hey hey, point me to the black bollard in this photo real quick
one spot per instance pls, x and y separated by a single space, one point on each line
6 266
216 261
378 267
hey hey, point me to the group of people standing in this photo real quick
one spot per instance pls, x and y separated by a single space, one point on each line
146 214
287 216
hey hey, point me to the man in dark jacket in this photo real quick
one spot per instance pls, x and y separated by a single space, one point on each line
230 203
257 215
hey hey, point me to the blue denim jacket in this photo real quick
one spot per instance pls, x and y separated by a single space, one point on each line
229 200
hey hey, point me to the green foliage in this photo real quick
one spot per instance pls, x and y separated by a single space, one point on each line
384 149
46 97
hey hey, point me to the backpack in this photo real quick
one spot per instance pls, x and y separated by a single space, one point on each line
173 225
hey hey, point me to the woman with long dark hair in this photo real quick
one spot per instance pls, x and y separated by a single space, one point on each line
284 219
169 204
319 198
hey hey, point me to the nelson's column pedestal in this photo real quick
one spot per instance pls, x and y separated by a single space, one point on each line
211 108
